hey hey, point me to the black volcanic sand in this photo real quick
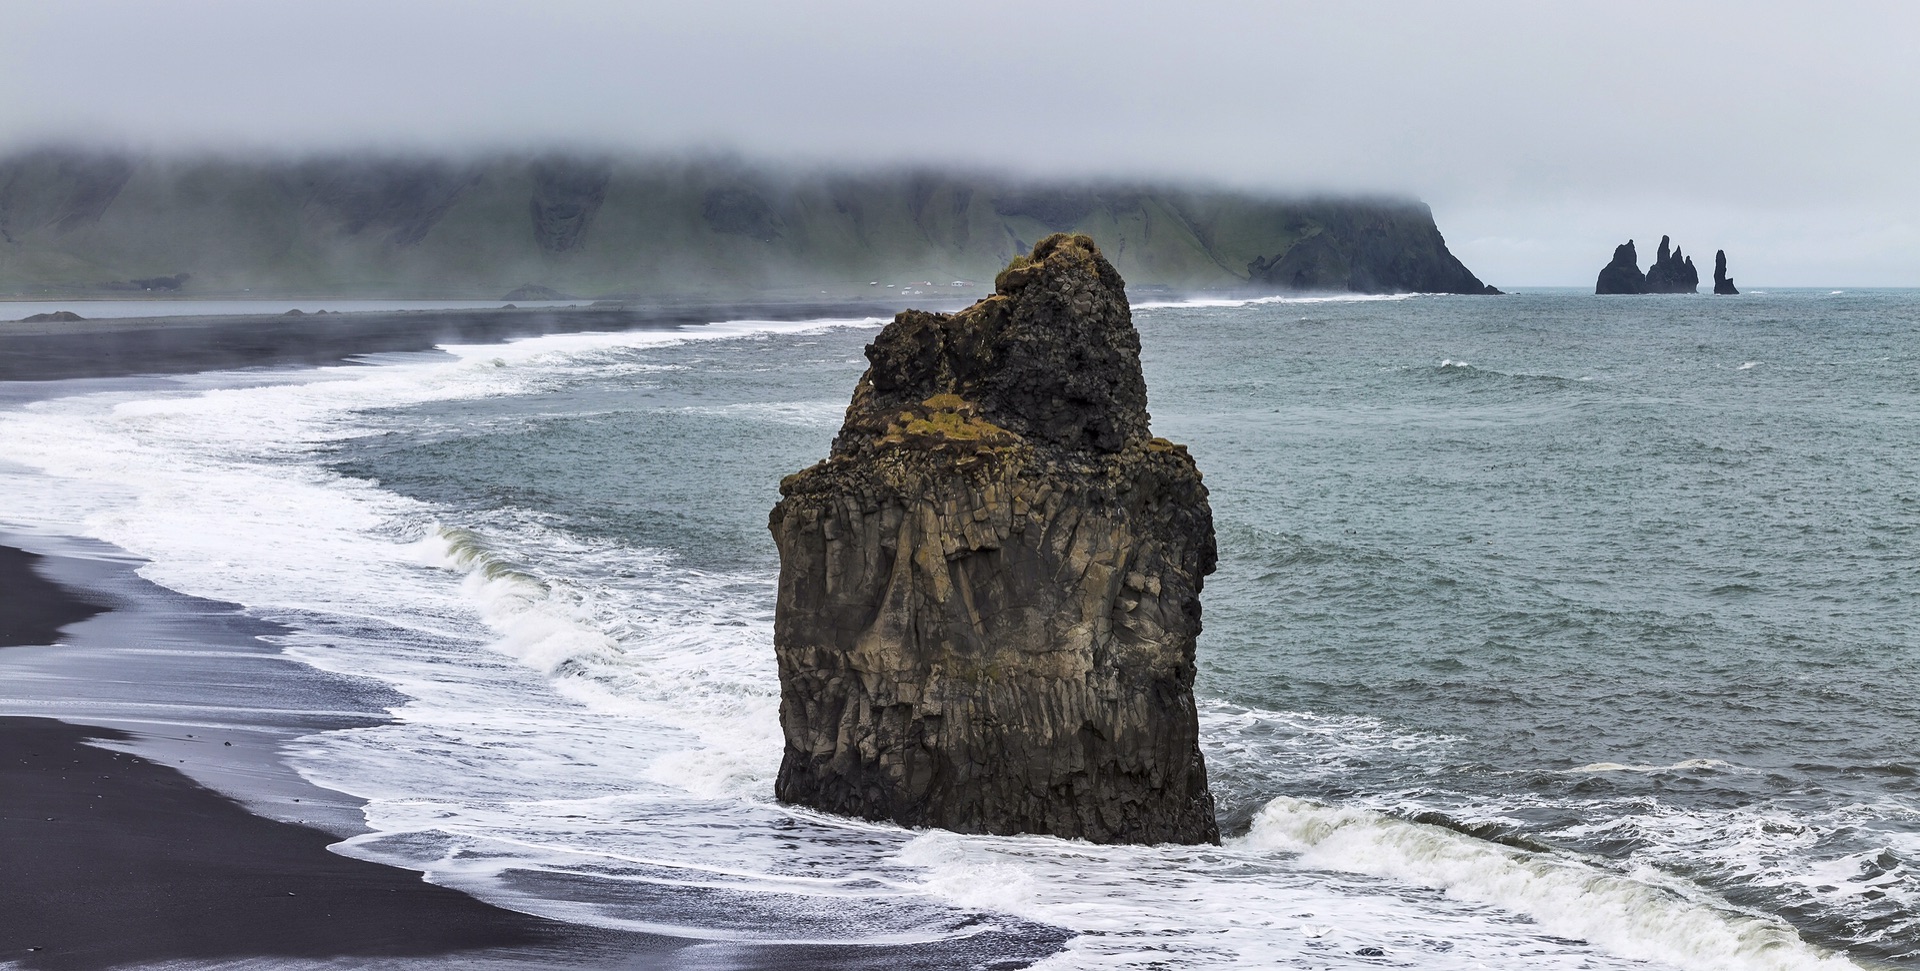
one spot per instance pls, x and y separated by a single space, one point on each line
184 345
112 859
114 856
36 608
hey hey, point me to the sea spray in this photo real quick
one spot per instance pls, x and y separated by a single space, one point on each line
1644 916
605 804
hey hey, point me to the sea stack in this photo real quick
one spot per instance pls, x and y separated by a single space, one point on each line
989 590
1672 272
1722 283
1623 274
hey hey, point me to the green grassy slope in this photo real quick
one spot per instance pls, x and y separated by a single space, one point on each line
89 223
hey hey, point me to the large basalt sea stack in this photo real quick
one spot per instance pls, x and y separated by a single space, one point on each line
1623 274
989 591
1672 271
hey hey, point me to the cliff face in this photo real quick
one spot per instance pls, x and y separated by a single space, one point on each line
1623 274
57 192
1383 249
596 226
989 591
566 194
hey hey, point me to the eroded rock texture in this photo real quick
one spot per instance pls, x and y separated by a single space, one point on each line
1672 271
989 592
1623 274
1383 248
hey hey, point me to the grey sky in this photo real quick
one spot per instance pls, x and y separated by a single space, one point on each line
1542 133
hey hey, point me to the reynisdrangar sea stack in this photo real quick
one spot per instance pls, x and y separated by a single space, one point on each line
990 589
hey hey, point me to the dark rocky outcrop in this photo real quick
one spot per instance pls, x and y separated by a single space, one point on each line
1623 274
989 591
1722 283
57 317
1386 248
566 195
1672 272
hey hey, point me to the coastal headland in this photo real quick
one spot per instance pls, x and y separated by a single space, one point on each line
90 222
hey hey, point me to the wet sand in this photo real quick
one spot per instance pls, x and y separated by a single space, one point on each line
184 345
113 859
36 608
146 812
147 816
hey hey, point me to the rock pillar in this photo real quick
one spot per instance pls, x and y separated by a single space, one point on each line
989 591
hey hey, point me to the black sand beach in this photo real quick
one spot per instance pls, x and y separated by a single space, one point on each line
132 834
183 345
113 859
36 608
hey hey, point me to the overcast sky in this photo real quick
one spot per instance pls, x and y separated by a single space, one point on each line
1542 133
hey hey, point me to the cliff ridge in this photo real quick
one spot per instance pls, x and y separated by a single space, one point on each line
367 224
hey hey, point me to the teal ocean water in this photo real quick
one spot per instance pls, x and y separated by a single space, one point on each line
1549 630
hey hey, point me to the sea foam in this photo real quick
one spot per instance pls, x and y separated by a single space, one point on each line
593 726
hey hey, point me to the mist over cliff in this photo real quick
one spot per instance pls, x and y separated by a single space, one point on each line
87 222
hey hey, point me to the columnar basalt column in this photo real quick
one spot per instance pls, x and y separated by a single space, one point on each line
989 591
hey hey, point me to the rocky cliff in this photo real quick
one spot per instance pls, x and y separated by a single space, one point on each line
1380 249
1672 272
1722 283
989 591
1623 274
75 222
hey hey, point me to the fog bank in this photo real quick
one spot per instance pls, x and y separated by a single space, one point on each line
1541 134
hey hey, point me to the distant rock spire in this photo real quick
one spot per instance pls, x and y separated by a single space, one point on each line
1722 283
1623 274
1672 272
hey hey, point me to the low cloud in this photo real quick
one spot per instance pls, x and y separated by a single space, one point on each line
1541 134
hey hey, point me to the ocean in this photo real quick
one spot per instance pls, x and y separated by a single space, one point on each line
1550 631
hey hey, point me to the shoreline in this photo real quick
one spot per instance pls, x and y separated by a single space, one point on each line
114 859
178 831
147 816
37 608
36 353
